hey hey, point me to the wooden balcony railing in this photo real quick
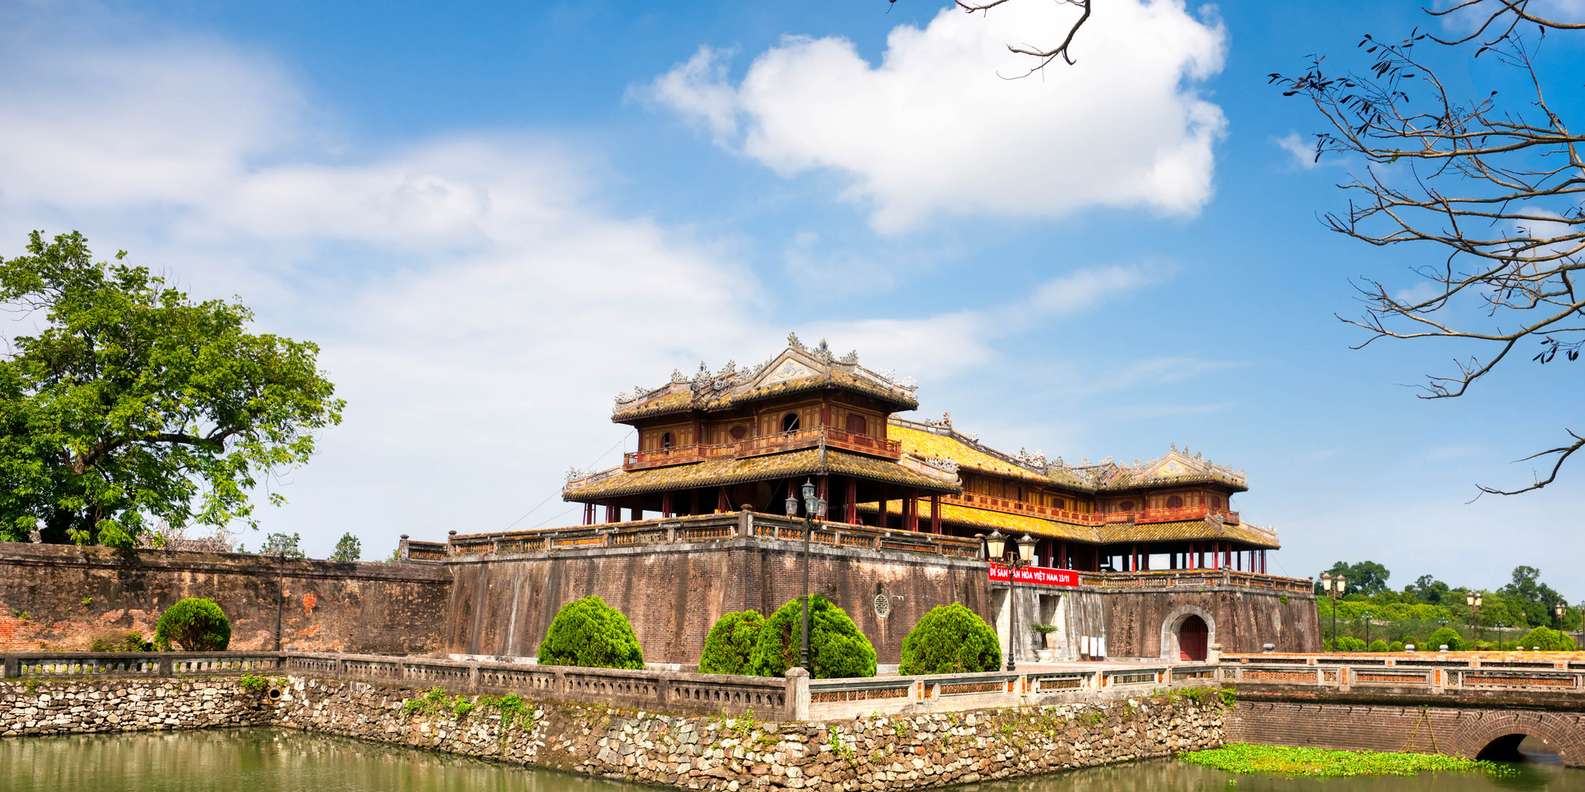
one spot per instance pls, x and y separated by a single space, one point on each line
764 444
1014 506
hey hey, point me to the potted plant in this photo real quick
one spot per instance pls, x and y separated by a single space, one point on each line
1046 630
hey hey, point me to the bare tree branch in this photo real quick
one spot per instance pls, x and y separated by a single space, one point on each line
1043 56
1499 190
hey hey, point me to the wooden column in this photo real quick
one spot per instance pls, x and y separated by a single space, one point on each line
721 504
588 514
1216 555
935 514
823 490
612 513
1062 555
665 505
1262 562
852 514
880 508
910 513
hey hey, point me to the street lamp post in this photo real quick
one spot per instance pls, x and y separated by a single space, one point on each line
814 508
1472 599
997 549
1367 616
1334 587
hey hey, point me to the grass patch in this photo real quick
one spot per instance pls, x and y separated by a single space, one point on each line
1325 763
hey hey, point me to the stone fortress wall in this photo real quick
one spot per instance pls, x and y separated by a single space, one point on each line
55 597
60 598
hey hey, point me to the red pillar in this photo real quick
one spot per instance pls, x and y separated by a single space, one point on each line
1216 555
1263 562
721 504
665 504
612 513
588 514
852 515
880 508
911 513
1062 556
935 514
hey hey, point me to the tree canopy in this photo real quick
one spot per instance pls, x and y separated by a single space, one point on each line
1366 578
133 404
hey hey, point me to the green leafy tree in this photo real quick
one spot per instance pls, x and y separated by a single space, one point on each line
728 647
836 646
1365 579
1428 589
348 548
194 624
282 545
950 639
1535 599
133 403
1547 639
589 633
1445 636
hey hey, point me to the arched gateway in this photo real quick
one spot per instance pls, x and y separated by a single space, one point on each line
1187 634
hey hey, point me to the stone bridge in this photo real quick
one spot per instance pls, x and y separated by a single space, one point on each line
1434 702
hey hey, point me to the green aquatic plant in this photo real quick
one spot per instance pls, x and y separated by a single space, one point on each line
1292 762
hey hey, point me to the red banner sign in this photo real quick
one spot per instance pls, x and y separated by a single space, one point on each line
1037 576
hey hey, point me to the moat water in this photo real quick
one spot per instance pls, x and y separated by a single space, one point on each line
268 760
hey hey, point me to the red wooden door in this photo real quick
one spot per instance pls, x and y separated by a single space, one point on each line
1192 637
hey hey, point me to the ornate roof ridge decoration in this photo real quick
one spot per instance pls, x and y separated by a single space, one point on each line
1175 467
795 369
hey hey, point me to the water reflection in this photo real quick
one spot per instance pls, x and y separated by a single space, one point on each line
265 760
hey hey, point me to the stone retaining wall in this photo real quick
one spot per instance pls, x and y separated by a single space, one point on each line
716 753
75 707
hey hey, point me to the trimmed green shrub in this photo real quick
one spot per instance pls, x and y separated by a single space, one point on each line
127 641
1348 643
730 643
1377 645
1395 646
591 634
194 624
1445 635
950 639
836 647
1547 639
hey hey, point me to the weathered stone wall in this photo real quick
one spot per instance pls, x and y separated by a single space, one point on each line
56 597
879 753
65 707
1460 731
674 593
876 753
1240 619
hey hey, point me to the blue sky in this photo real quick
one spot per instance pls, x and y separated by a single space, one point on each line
493 218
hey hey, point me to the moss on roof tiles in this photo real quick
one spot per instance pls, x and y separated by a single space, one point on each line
1185 530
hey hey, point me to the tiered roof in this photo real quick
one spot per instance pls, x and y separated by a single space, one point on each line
617 482
938 440
797 369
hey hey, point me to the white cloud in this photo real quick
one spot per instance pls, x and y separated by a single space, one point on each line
473 305
1302 152
698 90
931 130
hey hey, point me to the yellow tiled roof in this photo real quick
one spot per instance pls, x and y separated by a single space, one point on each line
1001 521
929 445
720 472
1186 530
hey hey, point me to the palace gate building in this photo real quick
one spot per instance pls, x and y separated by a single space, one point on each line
1141 560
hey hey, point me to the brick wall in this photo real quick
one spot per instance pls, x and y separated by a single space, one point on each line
674 593
55 597
1460 731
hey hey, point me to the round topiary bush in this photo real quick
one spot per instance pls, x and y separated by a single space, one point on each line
950 639
730 644
1377 645
1547 640
836 647
1445 635
194 624
1395 646
589 633
1348 643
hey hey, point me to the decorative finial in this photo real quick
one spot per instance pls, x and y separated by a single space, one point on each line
946 419
792 341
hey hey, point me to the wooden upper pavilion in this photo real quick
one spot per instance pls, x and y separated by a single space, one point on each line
720 441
